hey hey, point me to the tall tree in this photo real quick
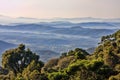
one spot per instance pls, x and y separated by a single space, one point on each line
19 58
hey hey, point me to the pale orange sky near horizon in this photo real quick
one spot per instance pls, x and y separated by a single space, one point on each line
60 8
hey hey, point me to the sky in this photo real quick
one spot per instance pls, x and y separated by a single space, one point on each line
60 8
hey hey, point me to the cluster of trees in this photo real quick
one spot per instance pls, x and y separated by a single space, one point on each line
77 64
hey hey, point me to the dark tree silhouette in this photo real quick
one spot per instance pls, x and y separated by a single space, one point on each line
17 59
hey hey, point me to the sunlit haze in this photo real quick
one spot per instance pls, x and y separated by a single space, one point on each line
60 8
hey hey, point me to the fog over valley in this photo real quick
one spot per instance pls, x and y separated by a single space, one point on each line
58 36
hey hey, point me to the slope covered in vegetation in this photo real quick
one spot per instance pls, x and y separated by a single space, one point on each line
77 64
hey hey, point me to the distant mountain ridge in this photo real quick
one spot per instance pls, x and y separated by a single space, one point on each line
57 35
96 24
10 20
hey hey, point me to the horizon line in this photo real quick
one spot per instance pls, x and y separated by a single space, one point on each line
61 17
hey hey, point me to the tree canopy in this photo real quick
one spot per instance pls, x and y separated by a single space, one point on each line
77 64
19 58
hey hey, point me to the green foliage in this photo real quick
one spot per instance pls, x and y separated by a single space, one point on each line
17 59
32 70
77 50
50 65
3 71
94 65
35 74
118 42
77 64
117 67
79 55
116 77
57 76
19 77
63 55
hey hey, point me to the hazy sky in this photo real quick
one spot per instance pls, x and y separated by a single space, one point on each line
60 8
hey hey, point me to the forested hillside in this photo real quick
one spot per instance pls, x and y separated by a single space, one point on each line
103 64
